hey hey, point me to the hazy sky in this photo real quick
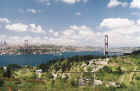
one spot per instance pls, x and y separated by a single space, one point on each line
71 22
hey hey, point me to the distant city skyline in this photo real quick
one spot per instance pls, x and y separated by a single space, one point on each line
71 22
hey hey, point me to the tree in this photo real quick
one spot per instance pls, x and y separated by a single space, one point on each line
1 83
13 66
7 73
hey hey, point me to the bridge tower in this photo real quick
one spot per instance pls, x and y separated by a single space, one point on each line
106 45
26 44
3 45
27 47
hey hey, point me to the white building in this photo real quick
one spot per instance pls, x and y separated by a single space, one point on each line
39 72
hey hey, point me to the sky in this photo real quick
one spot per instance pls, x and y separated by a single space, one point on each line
71 22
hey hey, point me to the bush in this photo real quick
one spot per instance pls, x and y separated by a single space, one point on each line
1 83
7 73
107 69
13 66
137 78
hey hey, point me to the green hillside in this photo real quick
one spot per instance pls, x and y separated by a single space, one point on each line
79 73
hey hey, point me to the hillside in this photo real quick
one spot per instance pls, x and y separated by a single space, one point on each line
76 74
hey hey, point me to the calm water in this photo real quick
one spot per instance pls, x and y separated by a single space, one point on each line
38 59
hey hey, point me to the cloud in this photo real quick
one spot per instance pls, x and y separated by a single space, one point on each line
138 21
36 28
78 13
19 27
49 2
4 20
46 2
116 22
115 3
19 40
132 4
124 34
85 1
135 4
122 31
73 1
75 35
135 13
33 11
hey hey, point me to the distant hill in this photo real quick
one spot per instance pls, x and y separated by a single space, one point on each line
136 52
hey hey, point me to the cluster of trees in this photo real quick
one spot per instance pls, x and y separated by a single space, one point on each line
10 68
136 52
66 63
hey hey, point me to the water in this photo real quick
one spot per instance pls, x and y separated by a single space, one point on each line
38 59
